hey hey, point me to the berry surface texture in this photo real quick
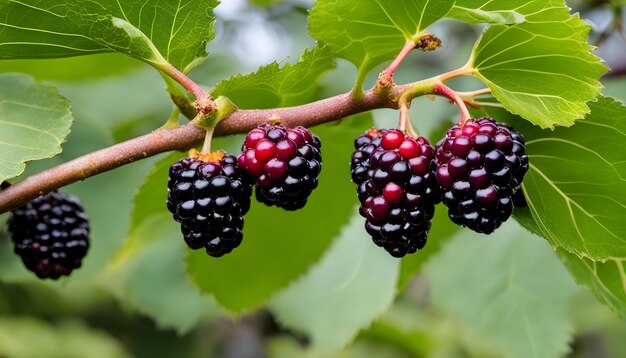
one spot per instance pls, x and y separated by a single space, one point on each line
209 200
50 234
480 166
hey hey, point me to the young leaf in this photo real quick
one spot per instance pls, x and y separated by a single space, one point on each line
575 186
34 121
279 246
153 31
351 286
508 288
370 32
274 86
541 69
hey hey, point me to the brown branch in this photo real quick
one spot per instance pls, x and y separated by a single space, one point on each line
239 121
184 138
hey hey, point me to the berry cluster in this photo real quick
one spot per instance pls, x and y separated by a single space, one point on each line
50 234
479 167
209 195
476 170
396 188
284 163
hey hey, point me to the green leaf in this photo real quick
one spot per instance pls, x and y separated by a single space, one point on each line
34 121
607 280
442 230
279 246
112 102
542 69
151 263
575 186
29 337
153 31
504 11
73 69
274 86
155 281
351 286
370 32
149 202
508 288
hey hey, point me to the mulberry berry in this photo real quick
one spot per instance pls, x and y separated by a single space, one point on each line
479 168
209 196
50 234
284 163
399 193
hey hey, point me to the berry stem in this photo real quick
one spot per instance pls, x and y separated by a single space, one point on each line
206 147
404 113
443 90
405 120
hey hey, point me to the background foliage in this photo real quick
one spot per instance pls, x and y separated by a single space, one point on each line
311 283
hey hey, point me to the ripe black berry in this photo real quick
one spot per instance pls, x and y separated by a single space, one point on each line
364 146
284 163
399 193
479 167
51 234
209 196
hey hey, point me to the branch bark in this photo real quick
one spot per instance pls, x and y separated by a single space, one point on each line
186 137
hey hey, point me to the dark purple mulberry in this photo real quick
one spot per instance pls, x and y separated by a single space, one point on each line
51 234
284 163
209 197
399 193
479 168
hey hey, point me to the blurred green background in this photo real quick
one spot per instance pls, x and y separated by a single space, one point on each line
503 296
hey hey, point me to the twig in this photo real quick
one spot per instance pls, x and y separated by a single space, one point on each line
185 137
